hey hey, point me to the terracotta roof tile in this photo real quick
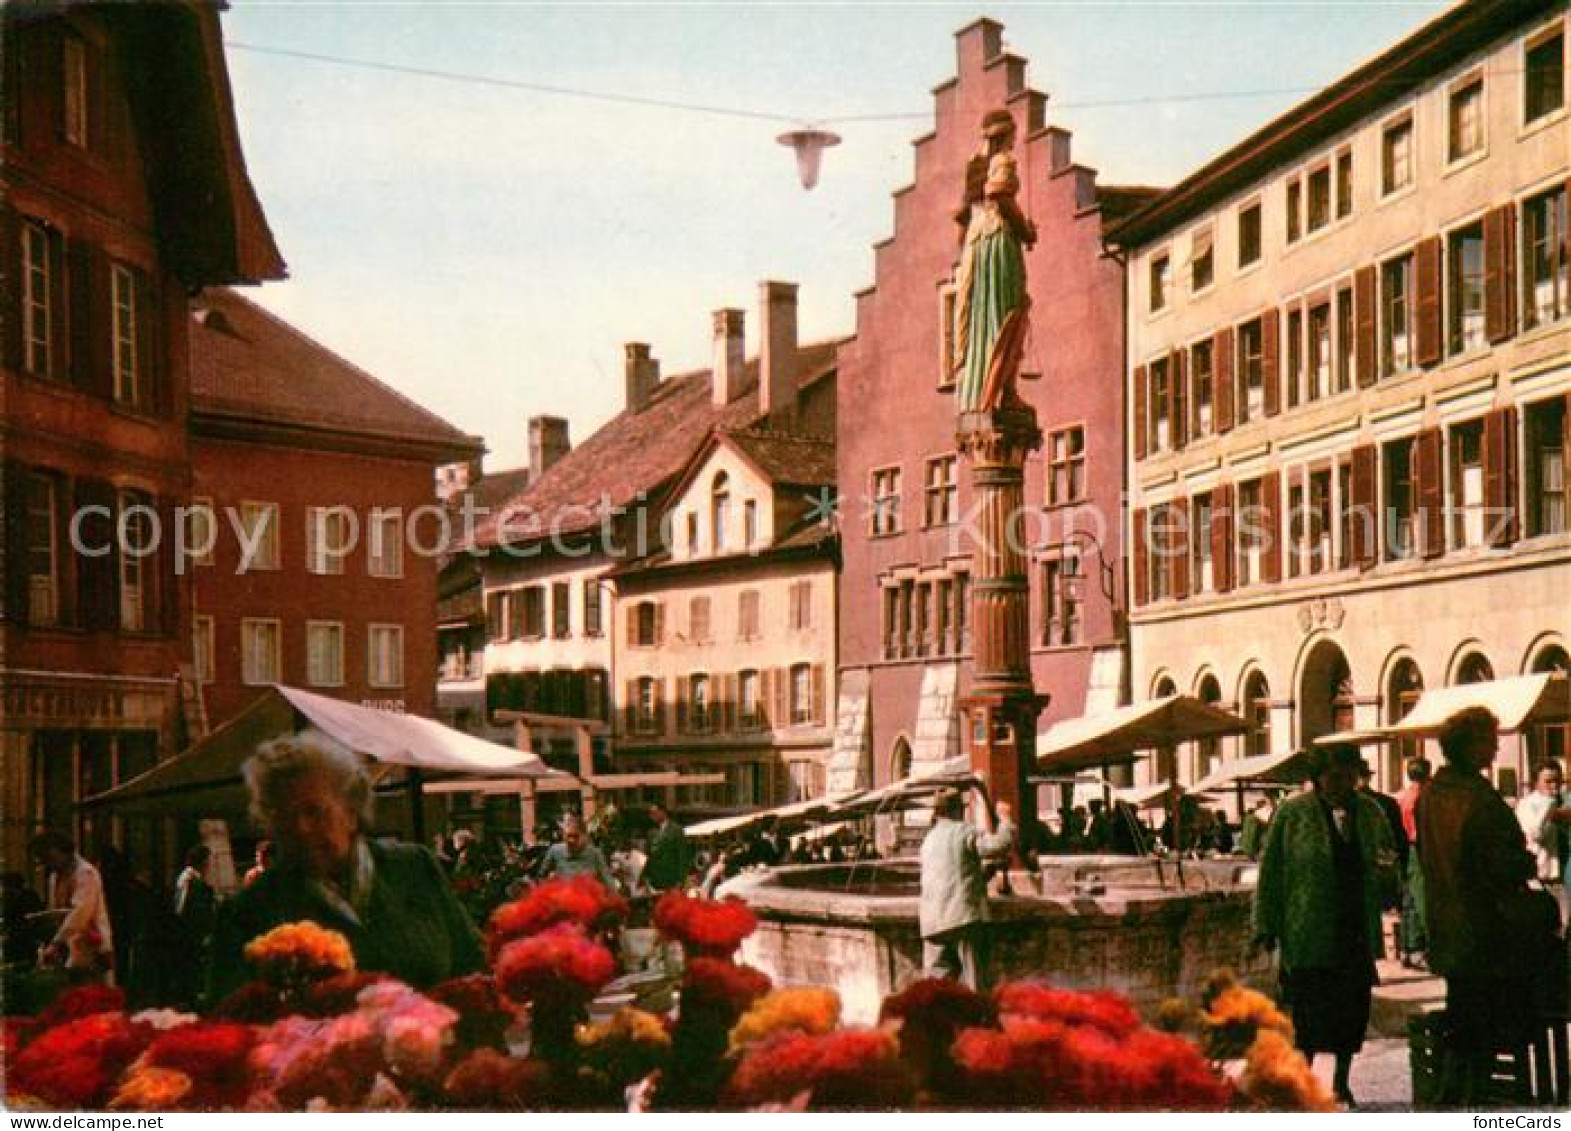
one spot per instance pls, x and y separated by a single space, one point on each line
787 458
635 453
246 362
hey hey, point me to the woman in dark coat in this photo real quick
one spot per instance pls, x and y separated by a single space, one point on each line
391 901
1319 900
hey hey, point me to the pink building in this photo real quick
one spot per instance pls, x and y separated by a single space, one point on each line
906 506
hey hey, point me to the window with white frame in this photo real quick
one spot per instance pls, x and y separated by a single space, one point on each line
203 650
1066 465
324 653
1251 533
385 655
942 494
136 552
40 256
1401 500
1318 521
1159 414
1344 184
1396 310
1251 399
594 610
645 719
1202 571
1548 485
699 716
1346 340
1546 268
1467 484
1161 274
259 526
387 544
1544 80
125 299
801 694
1061 600
747 699
1293 210
327 539
886 501
948 353
1465 119
1202 382
42 550
259 651
719 511
1202 261
201 531
1465 289
1319 198
1249 230
1319 372
1396 156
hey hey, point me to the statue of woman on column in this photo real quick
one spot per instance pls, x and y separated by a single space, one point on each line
992 311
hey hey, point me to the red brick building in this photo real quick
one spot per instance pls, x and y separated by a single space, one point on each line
320 485
123 191
905 497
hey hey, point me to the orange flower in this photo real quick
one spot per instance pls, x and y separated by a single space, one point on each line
1278 1078
299 952
151 1089
1235 1016
805 1009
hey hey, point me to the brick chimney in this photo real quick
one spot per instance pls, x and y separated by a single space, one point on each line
643 376
548 442
777 362
730 357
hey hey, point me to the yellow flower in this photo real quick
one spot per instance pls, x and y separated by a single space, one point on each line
298 951
808 1009
1234 1017
151 1089
628 1047
626 1024
1278 1078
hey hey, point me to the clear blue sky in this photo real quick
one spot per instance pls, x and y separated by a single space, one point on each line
487 251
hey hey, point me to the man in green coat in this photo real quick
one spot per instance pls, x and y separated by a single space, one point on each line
1318 899
669 861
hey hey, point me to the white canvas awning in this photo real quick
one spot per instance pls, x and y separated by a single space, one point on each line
1263 769
797 813
206 778
1125 734
1517 702
909 792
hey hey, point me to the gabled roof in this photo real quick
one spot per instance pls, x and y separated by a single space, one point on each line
250 367
788 459
1390 77
635 454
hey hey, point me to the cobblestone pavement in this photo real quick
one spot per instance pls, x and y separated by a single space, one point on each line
1381 1081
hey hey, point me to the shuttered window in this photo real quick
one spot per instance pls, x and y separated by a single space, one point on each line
324 653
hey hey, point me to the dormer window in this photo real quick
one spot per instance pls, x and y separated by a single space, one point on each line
720 509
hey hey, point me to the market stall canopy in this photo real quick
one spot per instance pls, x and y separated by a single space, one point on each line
1267 770
908 792
206 779
1122 735
788 816
1518 702
1352 738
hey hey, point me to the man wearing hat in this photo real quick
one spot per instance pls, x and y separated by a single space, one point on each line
953 915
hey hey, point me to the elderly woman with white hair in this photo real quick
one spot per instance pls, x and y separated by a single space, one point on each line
391 901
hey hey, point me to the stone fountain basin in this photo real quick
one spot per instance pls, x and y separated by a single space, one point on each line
1149 929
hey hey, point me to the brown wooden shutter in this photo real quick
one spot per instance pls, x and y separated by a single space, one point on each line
629 706
766 703
632 626
1142 581
1178 548
1364 309
13 509
157 384
1365 519
1431 493
1222 537
85 354
819 705
662 707
681 705
168 587
98 577
1500 273
1140 412
1271 519
782 697
728 703
1178 419
10 283
659 623
1430 339
1271 359
1500 494
1222 378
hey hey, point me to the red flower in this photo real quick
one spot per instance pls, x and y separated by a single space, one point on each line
848 1068
930 1013
716 988
582 900
213 1054
713 928
484 1015
1104 1009
561 965
82 1001
76 1064
255 1003
485 1080
18 1032
335 994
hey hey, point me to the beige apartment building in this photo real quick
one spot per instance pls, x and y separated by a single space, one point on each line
1350 373
726 654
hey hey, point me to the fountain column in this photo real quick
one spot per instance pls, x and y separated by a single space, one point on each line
1000 714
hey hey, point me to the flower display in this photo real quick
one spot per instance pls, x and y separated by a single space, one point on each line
326 1063
299 952
1234 1018
335 994
848 1068
77 1064
721 989
212 1055
580 900
1278 1078
805 1009
488 1080
705 927
416 1031
152 1089
560 964
1103 1009
81 1001
627 1047
484 1015
926 1017
255 1003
